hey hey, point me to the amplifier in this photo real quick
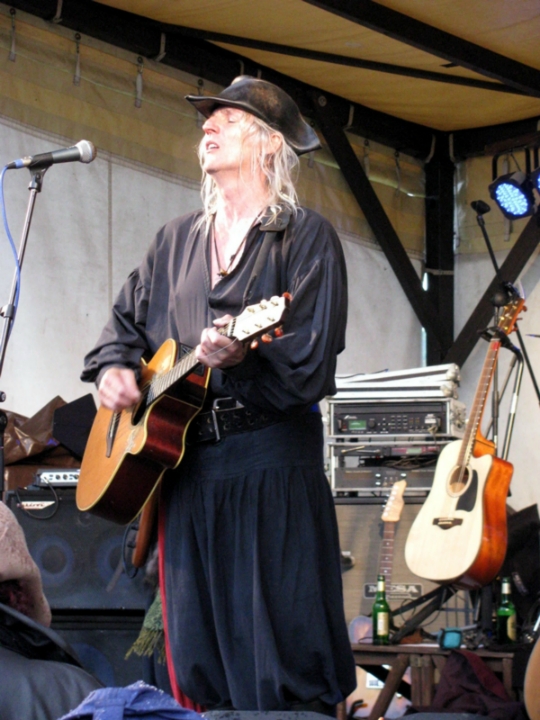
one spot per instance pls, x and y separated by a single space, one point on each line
361 536
406 417
57 477
80 556
379 480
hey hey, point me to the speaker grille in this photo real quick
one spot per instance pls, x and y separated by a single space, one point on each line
79 555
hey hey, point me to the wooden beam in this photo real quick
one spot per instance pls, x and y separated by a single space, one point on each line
374 212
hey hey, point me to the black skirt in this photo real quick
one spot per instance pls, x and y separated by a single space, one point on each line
252 572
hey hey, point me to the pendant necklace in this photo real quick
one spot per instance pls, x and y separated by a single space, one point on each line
223 272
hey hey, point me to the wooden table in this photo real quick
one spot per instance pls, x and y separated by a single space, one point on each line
423 660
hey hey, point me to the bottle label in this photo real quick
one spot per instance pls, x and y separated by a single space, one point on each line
383 624
511 628
381 586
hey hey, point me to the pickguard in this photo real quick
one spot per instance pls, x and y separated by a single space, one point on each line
467 501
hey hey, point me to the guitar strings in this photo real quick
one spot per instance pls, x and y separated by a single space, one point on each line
215 352
160 383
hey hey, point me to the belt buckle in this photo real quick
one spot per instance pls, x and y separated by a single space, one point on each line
231 403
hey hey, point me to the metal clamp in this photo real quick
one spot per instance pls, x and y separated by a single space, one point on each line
222 405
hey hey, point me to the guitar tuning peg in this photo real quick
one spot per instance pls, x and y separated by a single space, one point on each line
266 338
278 332
254 344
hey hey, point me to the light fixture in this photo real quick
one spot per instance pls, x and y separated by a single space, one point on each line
513 194
535 179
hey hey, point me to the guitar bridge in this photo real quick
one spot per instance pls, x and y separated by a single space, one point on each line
447 523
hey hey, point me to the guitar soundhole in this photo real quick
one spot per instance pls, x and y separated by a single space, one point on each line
140 408
459 479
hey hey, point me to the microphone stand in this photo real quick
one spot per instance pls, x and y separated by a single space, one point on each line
7 312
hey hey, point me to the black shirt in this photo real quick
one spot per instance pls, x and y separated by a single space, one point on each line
170 296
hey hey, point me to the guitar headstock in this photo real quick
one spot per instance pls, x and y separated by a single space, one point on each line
259 319
394 505
509 314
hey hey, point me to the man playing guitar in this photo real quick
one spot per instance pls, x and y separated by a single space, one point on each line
249 552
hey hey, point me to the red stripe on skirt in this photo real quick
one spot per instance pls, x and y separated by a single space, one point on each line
177 692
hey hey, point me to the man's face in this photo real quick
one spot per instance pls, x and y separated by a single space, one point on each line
226 146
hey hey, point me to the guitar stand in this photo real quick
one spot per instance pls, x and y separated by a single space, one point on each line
436 599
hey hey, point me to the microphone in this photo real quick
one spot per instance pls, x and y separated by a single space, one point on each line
84 151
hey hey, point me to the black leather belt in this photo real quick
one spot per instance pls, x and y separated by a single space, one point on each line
227 417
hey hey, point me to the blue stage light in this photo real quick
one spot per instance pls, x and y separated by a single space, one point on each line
513 194
535 178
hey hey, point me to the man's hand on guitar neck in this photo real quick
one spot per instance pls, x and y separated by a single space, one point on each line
219 351
118 389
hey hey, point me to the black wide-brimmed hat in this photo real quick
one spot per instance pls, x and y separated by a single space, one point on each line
267 102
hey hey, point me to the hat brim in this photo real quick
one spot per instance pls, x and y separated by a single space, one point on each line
206 104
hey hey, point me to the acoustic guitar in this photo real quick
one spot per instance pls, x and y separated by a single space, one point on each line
128 451
460 534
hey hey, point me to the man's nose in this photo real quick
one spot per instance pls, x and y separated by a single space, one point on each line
209 125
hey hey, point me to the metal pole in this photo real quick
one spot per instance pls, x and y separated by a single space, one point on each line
8 311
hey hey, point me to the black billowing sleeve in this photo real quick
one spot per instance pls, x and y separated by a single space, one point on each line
297 370
123 340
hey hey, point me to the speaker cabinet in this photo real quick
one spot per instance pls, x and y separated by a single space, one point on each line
361 535
80 556
101 641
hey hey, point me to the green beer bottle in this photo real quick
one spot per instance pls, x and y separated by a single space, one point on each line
506 615
381 614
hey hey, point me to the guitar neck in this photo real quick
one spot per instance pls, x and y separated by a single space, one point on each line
161 383
187 364
386 560
255 321
479 402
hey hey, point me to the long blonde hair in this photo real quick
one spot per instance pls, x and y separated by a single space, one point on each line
279 167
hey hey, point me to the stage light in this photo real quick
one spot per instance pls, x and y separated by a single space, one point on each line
535 179
513 194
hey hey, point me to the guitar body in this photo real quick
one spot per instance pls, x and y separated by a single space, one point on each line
128 452
460 534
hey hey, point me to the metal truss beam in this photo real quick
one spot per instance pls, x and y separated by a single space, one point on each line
437 42
482 315
375 215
